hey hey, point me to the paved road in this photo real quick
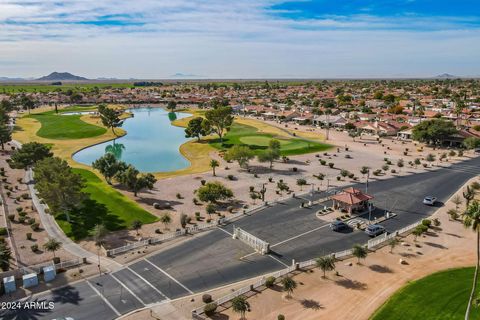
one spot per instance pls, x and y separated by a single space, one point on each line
214 258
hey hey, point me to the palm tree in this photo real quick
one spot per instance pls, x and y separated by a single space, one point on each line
471 220
240 305
393 243
99 233
165 219
326 263
359 252
136 225
289 285
213 164
52 245
469 194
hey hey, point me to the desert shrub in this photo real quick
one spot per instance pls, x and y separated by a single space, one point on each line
206 298
35 226
34 247
11 217
270 281
203 181
3 231
427 222
157 205
29 235
210 308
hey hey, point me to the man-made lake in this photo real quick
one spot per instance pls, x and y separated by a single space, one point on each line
151 143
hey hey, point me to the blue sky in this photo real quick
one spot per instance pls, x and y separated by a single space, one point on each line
240 39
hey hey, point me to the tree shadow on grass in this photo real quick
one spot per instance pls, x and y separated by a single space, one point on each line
90 214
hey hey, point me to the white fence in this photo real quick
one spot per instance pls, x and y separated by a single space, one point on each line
128 247
198 313
38 268
258 244
167 236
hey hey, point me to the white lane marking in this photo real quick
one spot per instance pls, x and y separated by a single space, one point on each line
151 285
278 260
104 299
128 289
176 281
298 236
231 235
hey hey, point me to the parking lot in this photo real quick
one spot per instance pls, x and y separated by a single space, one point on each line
214 259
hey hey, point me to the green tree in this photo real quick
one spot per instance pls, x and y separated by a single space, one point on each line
134 181
5 135
241 154
58 185
136 225
433 131
5 256
393 243
213 192
289 285
359 252
271 154
172 105
220 119
166 219
468 195
27 103
52 245
109 166
213 164
326 263
471 220
197 127
99 233
110 118
240 305
301 182
471 143
29 154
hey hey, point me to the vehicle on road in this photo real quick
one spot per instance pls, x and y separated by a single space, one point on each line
338 225
429 200
374 230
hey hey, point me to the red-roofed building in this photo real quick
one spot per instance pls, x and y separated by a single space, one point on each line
350 200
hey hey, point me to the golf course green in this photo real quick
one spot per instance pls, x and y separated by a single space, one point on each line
66 127
240 134
441 296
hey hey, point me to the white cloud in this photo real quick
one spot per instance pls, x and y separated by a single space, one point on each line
224 39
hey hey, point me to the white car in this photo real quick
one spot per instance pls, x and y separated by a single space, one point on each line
429 200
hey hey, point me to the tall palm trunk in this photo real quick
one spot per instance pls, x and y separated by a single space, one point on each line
474 286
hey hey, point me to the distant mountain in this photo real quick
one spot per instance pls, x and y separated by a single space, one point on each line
184 75
11 79
61 76
446 76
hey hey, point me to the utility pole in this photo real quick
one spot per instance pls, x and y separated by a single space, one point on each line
366 184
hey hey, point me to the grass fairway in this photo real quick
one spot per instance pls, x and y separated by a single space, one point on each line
65 127
247 135
442 295
106 206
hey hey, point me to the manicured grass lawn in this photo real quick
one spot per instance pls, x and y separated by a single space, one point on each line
65 127
442 295
106 206
248 135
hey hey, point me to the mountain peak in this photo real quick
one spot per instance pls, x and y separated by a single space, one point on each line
60 76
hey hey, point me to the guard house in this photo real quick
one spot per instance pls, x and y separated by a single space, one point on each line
351 200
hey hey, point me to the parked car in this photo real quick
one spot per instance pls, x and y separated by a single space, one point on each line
429 200
338 225
374 230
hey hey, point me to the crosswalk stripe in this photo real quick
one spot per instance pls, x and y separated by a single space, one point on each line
128 289
151 285
176 281
103 298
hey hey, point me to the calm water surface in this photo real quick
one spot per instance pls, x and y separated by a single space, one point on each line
151 144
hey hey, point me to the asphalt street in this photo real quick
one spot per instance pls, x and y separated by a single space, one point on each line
214 259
